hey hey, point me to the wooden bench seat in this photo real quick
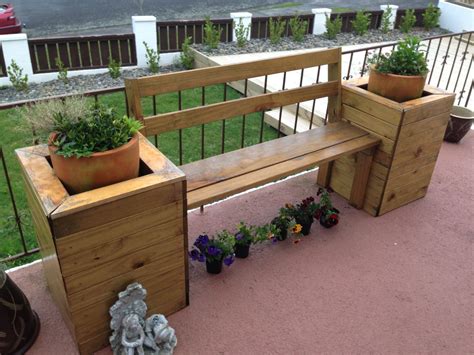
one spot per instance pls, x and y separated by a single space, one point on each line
215 178
221 176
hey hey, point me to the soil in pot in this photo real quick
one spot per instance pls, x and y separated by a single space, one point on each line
242 250
305 226
214 266
99 169
399 88
459 124
19 324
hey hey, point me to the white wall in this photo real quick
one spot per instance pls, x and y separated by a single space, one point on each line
456 18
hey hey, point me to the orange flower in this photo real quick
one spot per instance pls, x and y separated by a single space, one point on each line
297 228
289 205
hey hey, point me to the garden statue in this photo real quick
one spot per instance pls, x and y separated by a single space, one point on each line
132 334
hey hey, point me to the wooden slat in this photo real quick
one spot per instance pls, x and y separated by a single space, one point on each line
214 169
205 114
158 84
334 102
324 174
366 120
241 183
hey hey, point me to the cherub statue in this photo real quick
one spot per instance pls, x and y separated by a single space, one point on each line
160 336
133 335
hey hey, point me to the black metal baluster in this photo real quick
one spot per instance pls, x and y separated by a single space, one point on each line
454 63
314 101
263 111
223 123
281 107
463 59
127 109
154 113
428 49
445 61
465 82
203 103
362 71
469 95
180 131
434 61
242 140
298 104
348 76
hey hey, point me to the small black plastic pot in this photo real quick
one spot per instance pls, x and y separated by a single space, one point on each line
326 222
282 227
214 267
242 250
305 225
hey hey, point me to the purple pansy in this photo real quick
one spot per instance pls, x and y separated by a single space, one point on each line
229 260
201 241
195 254
213 250
239 236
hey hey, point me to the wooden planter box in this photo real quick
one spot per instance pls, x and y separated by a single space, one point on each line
411 134
95 243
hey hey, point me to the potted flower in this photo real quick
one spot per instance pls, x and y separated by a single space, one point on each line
90 145
303 213
281 224
326 213
19 324
214 251
401 74
243 239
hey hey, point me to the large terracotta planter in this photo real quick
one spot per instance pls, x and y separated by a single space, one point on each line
399 88
461 120
99 169
19 324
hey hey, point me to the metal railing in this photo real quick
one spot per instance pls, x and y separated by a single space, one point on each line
450 56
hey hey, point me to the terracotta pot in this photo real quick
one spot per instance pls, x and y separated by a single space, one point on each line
460 123
398 88
99 169
19 324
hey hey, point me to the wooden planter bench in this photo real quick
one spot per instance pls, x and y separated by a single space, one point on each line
215 178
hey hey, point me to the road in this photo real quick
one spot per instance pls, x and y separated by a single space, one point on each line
68 17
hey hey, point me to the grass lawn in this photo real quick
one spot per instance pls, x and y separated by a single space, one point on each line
13 137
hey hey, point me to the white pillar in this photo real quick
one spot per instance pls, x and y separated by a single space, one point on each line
246 18
319 23
144 28
393 16
15 48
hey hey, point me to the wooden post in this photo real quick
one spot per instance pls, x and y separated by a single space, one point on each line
361 176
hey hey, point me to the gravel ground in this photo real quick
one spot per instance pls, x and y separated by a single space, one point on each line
82 83
314 41
76 84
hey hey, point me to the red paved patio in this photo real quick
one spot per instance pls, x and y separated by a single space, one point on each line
399 283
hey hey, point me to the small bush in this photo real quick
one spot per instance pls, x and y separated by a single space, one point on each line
406 59
333 27
187 56
385 24
408 21
241 32
152 59
114 68
212 34
299 28
361 23
16 77
276 30
431 17
62 70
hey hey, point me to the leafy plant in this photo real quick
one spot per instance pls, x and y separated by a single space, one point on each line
361 23
247 235
385 24
299 28
62 70
152 59
186 57
212 249
80 129
408 21
276 28
431 17
303 212
212 34
241 32
406 59
17 78
333 27
325 210
283 224
114 68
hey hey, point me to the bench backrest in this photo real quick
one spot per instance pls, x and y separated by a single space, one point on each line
175 82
